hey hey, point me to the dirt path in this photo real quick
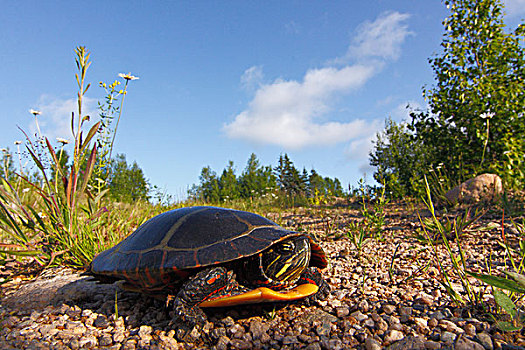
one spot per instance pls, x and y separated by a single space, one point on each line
378 300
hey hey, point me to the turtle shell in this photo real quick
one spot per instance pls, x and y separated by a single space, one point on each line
170 246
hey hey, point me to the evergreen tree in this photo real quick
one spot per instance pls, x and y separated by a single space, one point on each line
127 183
209 187
228 187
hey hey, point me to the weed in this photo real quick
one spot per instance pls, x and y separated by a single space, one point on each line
55 215
457 260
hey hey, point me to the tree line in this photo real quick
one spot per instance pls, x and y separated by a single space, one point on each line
258 180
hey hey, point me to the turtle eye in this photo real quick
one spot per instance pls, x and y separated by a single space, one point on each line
285 248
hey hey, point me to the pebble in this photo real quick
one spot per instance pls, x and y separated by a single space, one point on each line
463 343
448 337
389 309
372 344
393 336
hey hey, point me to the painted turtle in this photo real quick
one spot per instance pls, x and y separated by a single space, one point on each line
212 257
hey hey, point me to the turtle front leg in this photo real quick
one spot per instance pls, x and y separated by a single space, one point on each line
204 285
313 275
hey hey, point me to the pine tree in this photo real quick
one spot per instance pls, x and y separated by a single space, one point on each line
229 189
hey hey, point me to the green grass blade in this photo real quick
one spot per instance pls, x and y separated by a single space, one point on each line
498 282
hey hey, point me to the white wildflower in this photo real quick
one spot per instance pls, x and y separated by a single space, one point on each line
128 76
34 112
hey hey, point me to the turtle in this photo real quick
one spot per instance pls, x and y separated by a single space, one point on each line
207 256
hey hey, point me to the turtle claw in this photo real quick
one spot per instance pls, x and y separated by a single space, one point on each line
313 275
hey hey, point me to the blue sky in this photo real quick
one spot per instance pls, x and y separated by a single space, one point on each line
220 80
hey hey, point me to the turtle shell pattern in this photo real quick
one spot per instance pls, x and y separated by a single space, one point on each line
170 246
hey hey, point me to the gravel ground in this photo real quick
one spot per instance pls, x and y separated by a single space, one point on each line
377 301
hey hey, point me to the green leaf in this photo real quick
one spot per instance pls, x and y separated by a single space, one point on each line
90 135
520 279
507 326
20 252
498 282
505 302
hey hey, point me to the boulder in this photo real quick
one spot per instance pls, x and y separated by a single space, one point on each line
482 188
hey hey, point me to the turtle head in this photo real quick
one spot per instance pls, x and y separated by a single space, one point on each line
279 266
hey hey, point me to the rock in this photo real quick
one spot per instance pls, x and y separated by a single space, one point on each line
105 340
432 345
359 316
372 344
388 309
470 329
240 344
448 337
482 188
485 340
290 339
410 342
463 343
393 336
257 328
87 341
342 311
101 322
450 326
223 342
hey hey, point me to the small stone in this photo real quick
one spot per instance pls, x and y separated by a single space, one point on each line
222 343
393 336
421 323
381 325
313 346
432 345
118 337
409 342
240 344
470 329
369 323
425 299
335 344
450 326
438 315
87 341
144 332
290 339
405 311
105 340
363 305
236 330
448 337
228 321
388 309
433 322
359 316
101 322
372 344
463 343
257 328
485 340
436 293
342 311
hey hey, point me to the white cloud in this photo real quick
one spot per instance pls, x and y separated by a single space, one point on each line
55 120
252 77
514 8
283 112
380 39
292 113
